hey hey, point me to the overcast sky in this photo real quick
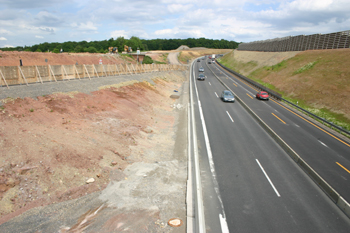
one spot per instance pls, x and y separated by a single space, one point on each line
29 22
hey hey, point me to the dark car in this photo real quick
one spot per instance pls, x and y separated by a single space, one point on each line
198 60
262 95
201 77
227 96
209 62
201 69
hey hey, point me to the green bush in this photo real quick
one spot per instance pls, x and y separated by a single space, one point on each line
147 60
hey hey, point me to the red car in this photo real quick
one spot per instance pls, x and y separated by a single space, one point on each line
263 95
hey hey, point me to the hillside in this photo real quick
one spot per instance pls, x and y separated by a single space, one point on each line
318 79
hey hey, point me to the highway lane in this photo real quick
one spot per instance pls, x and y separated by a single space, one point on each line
261 188
323 151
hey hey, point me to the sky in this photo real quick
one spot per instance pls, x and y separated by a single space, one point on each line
30 22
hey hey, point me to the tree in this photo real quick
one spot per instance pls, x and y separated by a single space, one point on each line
78 49
135 43
90 50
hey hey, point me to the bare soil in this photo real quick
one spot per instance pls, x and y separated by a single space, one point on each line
12 58
51 146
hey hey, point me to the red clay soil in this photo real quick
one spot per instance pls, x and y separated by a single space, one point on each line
38 58
51 146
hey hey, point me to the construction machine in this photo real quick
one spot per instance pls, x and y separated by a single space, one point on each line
127 49
113 49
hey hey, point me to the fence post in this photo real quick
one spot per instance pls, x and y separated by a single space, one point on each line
87 72
4 80
76 70
37 70
19 68
52 73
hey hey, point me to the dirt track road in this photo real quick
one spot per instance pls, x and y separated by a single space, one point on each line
172 57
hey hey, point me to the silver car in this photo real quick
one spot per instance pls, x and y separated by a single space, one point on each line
227 96
201 69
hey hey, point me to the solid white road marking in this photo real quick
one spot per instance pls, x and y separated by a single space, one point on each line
267 177
209 83
229 116
223 222
216 95
200 206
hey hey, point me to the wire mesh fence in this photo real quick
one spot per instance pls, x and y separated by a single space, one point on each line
336 40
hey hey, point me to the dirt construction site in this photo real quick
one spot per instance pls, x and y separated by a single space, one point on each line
100 155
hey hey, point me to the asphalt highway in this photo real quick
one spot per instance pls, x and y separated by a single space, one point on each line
326 153
259 187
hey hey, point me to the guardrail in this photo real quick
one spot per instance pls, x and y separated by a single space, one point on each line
336 40
278 96
17 75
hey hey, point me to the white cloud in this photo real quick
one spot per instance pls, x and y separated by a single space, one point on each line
178 8
3 38
88 26
38 21
119 33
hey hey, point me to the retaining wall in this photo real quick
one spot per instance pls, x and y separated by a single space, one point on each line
14 75
336 40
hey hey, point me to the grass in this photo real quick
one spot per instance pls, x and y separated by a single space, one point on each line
184 58
321 86
31 110
308 66
277 67
159 62
338 119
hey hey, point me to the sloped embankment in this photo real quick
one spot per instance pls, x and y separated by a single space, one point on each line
319 79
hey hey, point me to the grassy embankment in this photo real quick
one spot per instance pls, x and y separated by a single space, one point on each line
319 81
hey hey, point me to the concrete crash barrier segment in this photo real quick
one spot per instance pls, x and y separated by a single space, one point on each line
328 189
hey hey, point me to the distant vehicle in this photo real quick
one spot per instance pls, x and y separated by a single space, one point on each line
209 62
213 61
262 95
227 96
201 77
209 57
201 69
213 56
198 60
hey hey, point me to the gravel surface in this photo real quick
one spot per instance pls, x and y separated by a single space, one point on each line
83 85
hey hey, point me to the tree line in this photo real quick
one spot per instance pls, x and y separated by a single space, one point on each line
134 42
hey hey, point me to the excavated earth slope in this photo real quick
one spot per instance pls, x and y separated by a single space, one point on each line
106 155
